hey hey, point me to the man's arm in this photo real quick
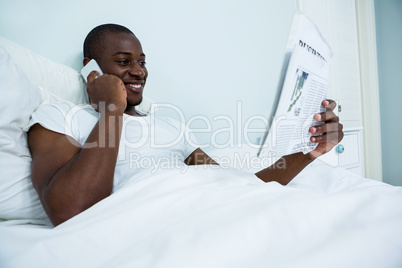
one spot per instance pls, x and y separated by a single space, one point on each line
287 167
199 157
69 179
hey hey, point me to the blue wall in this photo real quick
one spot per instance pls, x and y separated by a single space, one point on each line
204 56
388 15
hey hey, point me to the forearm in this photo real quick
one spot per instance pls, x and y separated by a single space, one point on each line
286 168
88 177
199 157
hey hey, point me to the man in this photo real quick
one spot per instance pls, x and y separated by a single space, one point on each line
74 168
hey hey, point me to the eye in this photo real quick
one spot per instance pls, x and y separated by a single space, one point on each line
143 63
123 62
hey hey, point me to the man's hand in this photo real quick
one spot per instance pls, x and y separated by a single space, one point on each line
288 166
331 130
106 90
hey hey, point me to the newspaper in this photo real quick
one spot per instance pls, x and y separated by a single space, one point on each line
305 86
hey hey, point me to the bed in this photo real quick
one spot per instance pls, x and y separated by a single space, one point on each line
203 216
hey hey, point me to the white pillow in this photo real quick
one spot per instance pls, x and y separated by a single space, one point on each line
19 98
58 79
54 78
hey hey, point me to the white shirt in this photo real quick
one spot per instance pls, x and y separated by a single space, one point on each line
148 143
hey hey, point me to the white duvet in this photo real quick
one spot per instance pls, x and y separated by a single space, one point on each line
217 217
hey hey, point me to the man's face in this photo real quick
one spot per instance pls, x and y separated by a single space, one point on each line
124 58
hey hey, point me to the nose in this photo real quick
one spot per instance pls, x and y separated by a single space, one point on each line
137 70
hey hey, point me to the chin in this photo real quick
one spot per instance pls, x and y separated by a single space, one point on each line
134 102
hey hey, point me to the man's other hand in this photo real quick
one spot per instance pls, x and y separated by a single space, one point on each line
331 131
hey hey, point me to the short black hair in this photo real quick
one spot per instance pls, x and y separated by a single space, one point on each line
94 42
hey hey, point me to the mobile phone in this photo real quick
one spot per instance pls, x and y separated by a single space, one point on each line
92 65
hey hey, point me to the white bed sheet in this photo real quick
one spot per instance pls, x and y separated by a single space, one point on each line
217 217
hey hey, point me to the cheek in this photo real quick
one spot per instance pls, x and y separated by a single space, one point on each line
115 70
120 72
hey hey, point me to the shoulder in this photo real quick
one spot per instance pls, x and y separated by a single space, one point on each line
65 118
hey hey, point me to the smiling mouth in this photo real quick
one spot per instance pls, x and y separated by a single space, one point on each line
135 87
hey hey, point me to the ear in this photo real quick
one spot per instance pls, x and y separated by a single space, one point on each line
86 60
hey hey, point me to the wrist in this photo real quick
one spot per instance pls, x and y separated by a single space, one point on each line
111 109
313 155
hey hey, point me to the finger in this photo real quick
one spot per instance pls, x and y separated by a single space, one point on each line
91 76
326 116
333 137
124 89
328 127
329 104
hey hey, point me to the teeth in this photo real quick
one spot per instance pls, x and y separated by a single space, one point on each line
134 85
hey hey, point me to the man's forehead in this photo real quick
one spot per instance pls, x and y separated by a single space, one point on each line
119 41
